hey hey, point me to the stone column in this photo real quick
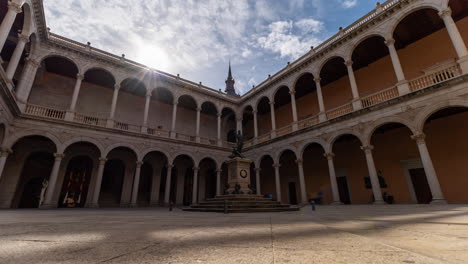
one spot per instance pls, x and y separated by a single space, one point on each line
300 168
294 109
197 131
15 58
7 23
48 203
167 194
27 80
174 119
114 100
318 86
136 184
3 157
357 104
218 182
373 175
257 179
437 195
403 87
195 185
97 187
333 183
145 115
277 181
255 120
76 92
273 120
220 141
239 125
456 38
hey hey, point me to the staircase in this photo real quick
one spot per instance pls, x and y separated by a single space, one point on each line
240 203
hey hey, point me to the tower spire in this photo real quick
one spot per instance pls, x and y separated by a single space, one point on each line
230 83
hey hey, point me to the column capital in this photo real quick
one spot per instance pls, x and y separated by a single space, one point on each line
14 7
349 63
117 87
32 62
329 155
367 148
219 115
389 42
219 171
195 169
420 138
254 112
276 165
80 77
292 92
239 119
445 13
102 161
258 169
23 38
170 166
299 162
317 80
272 103
149 92
5 152
198 109
59 156
175 102
139 163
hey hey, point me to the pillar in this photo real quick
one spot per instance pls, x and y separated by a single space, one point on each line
27 79
277 181
145 115
257 180
294 109
114 100
220 142
197 131
76 91
333 183
3 157
300 168
239 125
273 120
373 174
357 104
456 38
255 118
7 23
15 58
48 203
218 182
136 184
97 187
195 185
167 193
403 87
318 87
437 195
174 119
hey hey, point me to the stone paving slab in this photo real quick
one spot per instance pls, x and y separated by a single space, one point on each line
332 234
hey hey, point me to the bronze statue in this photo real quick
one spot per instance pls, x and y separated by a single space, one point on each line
237 150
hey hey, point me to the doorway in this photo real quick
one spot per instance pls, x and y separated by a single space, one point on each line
292 193
343 190
420 185
76 182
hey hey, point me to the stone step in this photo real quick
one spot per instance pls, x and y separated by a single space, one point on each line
241 198
240 202
243 210
241 206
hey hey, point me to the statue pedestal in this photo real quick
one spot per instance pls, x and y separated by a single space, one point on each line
239 175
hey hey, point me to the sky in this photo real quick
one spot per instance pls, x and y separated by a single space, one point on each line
198 38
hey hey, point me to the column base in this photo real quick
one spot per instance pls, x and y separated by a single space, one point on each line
172 134
336 203
273 134
110 123
295 126
403 87
133 205
463 62
197 139
69 116
322 117
48 206
438 201
92 205
357 104
379 202
144 130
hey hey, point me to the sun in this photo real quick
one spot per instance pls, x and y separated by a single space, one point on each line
153 56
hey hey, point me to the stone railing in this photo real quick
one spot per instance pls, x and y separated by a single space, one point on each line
308 122
47 112
264 137
435 78
284 130
90 120
380 96
185 137
208 141
126 126
158 132
339 111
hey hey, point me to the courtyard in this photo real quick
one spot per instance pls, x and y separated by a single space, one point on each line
331 234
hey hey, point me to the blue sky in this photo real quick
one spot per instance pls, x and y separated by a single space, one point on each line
198 38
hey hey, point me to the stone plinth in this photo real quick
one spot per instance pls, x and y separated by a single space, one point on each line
239 174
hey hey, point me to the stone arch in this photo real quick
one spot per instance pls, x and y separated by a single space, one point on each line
96 67
299 76
355 44
341 133
309 142
62 56
28 25
172 157
261 157
260 99
323 62
428 111
387 120
276 158
210 102
9 142
72 141
208 157
122 145
425 5
152 149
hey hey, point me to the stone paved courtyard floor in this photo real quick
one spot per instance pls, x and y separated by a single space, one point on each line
332 234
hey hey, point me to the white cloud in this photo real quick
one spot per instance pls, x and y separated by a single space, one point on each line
348 3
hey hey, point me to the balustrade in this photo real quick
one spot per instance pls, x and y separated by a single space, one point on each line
380 96
90 120
42 111
339 111
308 122
435 78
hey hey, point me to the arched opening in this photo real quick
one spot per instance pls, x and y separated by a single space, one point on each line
26 173
160 109
207 179
153 179
131 101
97 83
306 97
186 117
445 138
182 180
228 123
336 88
248 123
415 38
267 177
54 83
351 170
209 122
283 109
372 65
289 178
316 174
398 164
264 116
76 182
